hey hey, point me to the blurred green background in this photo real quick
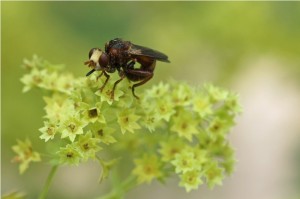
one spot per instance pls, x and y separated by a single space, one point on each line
250 47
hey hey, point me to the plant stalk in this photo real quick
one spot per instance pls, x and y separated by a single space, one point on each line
48 182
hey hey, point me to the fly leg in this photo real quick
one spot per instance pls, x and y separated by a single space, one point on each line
138 75
99 75
122 75
141 83
107 78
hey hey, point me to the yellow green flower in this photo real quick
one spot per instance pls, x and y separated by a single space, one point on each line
34 79
185 161
50 81
168 149
232 103
150 121
182 95
92 81
200 155
48 131
128 121
190 180
93 114
202 105
105 95
65 83
216 94
158 91
185 125
36 62
219 127
88 145
25 154
164 108
72 126
69 155
58 108
103 133
214 174
147 168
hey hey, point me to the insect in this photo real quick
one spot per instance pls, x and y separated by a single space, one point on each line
121 56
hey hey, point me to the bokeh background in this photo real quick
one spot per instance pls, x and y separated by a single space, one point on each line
252 48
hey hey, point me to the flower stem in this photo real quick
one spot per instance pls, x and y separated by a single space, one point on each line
48 182
124 187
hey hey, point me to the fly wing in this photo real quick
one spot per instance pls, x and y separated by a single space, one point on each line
148 52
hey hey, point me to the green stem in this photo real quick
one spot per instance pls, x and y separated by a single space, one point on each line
118 192
48 182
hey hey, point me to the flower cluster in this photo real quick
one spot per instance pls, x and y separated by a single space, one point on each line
174 129
25 154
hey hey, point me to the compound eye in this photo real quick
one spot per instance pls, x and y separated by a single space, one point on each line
103 60
91 52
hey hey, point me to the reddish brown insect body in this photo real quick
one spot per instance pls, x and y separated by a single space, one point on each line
122 56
